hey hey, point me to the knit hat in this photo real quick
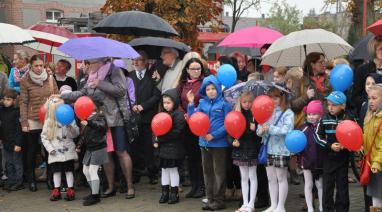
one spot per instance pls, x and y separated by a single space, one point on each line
65 89
315 107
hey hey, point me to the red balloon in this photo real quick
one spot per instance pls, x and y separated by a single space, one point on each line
83 107
262 108
41 113
161 124
349 134
235 124
199 124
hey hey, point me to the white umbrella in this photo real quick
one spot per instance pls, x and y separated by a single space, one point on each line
14 35
291 49
50 44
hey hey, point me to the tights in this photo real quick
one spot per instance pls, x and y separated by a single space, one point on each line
308 178
248 185
278 187
170 176
57 179
91 174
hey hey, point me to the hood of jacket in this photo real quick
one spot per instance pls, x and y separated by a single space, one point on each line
208 81
174 95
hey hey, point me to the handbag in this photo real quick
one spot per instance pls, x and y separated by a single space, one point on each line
262 158
364 177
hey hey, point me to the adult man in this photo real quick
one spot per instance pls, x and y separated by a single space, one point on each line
147 98
170 80
62 68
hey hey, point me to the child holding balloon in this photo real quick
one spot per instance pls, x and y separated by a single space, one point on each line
57 136
273 132
246 148
311 156
171 151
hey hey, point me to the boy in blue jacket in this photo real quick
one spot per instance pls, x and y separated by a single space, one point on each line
214 144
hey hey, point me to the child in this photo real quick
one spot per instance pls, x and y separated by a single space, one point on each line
335 158
371 124
245 153
170 146
279 75
214 144
371 79
310 158
10 135
273 133
93 140
58 142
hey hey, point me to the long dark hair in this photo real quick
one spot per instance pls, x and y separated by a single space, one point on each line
312 57
184 75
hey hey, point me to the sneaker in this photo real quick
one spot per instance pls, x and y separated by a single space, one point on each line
55 195
4 177
69 194
205 200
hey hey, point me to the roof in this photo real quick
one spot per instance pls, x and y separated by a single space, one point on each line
211 37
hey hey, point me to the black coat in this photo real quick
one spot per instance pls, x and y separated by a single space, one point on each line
171 144
147 95
10 128
250 142
359 93
94 135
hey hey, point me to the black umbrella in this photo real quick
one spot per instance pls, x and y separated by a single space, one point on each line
360 51
135 23
153 46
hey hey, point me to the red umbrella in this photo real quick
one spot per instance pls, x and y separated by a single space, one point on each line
376 28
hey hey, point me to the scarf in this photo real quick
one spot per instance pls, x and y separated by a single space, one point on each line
19 73
319 82
38 79
100 74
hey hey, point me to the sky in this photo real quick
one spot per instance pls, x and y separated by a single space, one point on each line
303 5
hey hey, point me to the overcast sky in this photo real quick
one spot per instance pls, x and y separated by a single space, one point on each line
303 5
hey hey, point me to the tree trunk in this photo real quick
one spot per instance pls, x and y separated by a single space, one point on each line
355 31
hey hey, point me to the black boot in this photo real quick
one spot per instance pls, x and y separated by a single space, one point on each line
192 192
93 199
200 192
165 195
174 195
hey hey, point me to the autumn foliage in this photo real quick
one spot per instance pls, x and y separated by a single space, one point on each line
183 15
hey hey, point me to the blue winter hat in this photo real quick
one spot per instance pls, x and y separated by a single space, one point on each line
337 98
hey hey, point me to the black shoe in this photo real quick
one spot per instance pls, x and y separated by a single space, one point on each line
261 204
165 194
110 194
192 192
200 192
32 187
16 187
174 195
92 200
87 197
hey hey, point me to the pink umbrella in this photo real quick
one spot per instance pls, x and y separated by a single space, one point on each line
251 37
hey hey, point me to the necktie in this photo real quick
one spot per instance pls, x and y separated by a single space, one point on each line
140 75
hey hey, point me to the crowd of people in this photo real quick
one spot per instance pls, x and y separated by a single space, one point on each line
218 166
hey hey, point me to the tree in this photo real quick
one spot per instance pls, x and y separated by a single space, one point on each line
238 8
284 18
314 22
183 15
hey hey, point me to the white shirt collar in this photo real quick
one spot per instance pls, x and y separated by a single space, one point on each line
143 73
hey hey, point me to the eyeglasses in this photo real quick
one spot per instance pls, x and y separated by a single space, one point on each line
322 62
195 69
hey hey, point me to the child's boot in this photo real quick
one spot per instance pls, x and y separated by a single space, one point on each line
92 200
69 194
165 195
174 195
55 195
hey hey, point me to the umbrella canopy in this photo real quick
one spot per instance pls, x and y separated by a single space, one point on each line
251 37
360 51
135 23
254 52
14 35
376 28
87 48
153 46
292 49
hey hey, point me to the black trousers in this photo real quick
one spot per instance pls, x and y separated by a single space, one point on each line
143 152
31 147
233 172
262 178
194 158
335 177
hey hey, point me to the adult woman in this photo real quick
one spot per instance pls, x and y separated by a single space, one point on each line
20 59
35 88
374 65
109 83
190 81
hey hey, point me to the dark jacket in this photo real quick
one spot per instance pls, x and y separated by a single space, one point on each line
94 135
325 136
147 95
360 76
10 127
184 87
311 157
250 142
171 144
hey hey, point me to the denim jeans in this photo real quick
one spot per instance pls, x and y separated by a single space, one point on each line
14 166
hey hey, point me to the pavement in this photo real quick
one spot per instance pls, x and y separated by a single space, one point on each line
146 200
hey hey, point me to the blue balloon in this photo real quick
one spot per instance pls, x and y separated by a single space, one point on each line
295 141
227 75
65 114
341 77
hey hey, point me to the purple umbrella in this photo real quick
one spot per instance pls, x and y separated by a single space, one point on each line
97 47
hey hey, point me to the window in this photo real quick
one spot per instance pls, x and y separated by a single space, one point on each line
53 15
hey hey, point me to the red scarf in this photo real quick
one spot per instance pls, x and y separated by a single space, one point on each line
319 83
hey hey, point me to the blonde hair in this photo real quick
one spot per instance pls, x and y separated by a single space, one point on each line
282 70
50 123
377 87
50 65
372 45
295 73
243 95
255 76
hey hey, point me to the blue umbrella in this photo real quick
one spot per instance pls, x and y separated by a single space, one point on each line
97 47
